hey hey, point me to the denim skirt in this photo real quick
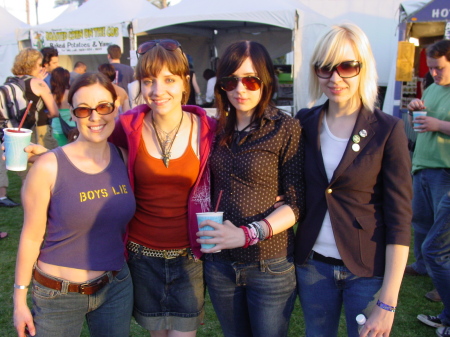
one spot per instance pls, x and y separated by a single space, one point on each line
169 294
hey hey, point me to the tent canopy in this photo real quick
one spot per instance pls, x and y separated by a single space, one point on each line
9 35
97 13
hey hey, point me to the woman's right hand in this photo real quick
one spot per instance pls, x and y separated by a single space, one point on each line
23 321
225 236
33 150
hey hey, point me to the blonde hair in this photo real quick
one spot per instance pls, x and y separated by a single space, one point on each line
25 61
329 51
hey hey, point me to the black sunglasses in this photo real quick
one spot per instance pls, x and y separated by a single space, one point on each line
102 109
230 83
167 44
345 69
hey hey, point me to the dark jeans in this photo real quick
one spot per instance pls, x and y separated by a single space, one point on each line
252 299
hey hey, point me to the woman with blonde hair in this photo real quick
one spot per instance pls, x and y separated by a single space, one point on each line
28 66
352 245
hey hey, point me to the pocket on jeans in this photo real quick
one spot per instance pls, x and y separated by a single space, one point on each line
280 266
123 275
43 292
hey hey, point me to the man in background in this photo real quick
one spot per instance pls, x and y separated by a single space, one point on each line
78 69
125 74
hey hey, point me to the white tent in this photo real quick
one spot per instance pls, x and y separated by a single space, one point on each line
98 13
202 25
216 23
9 35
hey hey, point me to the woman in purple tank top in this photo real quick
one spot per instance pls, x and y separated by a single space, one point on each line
77 202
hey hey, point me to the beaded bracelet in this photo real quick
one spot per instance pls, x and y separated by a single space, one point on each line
386 306
16 286
247 236
269 227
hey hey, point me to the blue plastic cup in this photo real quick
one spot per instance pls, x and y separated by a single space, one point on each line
417 114
214 216
15 142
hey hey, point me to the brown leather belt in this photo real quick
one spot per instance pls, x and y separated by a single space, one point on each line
82 288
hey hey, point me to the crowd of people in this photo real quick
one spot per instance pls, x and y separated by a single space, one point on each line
110 228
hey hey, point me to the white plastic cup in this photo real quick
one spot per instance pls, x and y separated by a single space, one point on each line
214 216
15 142
417 114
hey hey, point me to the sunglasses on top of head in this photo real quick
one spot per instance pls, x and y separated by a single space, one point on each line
345 69
102 109
167 44
230 83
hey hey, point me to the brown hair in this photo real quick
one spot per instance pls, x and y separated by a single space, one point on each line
114 51
59 84
153 61
88 79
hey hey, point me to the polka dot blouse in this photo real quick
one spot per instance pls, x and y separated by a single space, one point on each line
258 166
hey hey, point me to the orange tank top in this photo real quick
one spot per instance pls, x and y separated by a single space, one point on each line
162 193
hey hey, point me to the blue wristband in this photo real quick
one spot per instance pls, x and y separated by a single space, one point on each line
386 306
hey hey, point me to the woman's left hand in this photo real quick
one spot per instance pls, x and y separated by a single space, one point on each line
378 324
225 236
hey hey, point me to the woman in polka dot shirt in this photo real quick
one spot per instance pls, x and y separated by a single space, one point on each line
257 156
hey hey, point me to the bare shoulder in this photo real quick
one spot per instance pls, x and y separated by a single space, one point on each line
44 168
39 86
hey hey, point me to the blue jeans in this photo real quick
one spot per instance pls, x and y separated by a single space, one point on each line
429 185
252 299
107 312
324 288
436 252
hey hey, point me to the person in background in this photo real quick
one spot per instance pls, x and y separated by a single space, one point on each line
125 73
60 90
352 245
195 95
257 155
431 181
50 62
210 76
169 145
134 94
109 71
77 202
78 69
5 201
29 62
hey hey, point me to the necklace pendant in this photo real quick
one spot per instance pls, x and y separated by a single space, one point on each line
166 159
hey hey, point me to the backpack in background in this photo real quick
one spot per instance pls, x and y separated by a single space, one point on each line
13 103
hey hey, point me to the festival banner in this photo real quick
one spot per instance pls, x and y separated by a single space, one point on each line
78 41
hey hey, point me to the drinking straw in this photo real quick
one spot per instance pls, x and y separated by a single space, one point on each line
218 201
25 114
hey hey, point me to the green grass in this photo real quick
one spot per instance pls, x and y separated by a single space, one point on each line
411 302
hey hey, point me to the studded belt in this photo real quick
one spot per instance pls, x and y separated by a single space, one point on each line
163 254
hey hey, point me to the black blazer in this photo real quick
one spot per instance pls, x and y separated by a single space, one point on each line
368 197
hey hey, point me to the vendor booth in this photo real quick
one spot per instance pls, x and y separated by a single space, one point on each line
422 22
85 33
206 27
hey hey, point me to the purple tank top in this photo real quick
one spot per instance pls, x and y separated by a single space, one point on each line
88 215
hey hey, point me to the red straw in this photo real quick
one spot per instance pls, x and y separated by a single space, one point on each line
25 114
218 201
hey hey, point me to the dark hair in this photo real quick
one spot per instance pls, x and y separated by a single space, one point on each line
48 53
79 64
439 49
88 79
59 83
152 62
114 51
108 70
231 60
208 74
